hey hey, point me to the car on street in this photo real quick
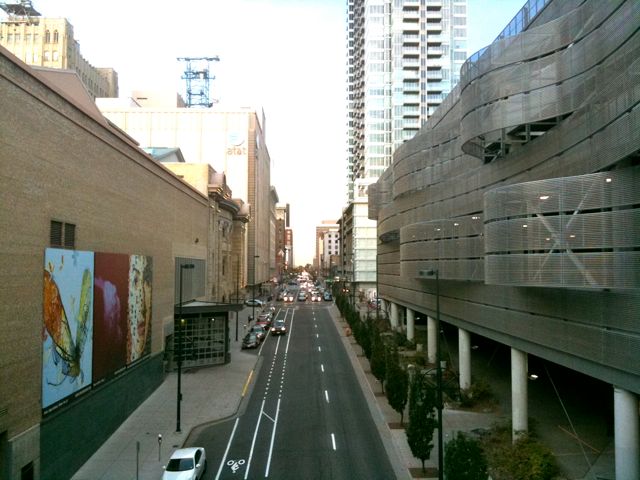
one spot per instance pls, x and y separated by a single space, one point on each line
327 297
259 331
186 464
265 318
302 297
279 328
288 297
316 297
250 340
250 302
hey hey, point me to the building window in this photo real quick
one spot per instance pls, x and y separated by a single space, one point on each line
55 55
47 37
47 55
55 36
62 234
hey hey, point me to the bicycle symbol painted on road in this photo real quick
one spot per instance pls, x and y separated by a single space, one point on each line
235 465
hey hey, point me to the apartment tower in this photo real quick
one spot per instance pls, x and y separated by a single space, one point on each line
403 58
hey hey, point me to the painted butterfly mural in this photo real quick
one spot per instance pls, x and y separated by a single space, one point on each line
68 323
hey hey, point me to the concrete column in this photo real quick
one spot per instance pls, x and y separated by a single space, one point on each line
394 316
411 321
627 434
431 340
464 352
518 393
383 307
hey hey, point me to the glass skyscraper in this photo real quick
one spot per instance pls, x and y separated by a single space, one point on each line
403 58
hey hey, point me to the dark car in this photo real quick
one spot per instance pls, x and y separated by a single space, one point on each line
327 297
279 328
250 340
259 331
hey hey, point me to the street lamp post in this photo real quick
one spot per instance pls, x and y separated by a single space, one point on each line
253 304
178 337
237 289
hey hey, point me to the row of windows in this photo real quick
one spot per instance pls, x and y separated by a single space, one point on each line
17 38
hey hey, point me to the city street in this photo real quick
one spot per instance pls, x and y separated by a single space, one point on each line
306 416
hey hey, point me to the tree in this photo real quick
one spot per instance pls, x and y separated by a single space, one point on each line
464 459
397 383
378 360
365 341
422 421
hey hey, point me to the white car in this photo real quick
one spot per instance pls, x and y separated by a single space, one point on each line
186 464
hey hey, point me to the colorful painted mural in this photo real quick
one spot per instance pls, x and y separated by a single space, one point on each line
68 324
97 319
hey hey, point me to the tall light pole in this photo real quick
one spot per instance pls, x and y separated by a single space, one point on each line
178 337
253 304
431 273
237 289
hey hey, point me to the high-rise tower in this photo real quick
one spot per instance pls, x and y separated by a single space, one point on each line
403 58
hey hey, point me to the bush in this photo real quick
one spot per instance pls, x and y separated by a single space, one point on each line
464 459
526 459
478 392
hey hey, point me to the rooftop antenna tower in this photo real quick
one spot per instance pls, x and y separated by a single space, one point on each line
20 12
198 79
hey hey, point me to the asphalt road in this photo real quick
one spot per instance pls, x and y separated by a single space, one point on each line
306 416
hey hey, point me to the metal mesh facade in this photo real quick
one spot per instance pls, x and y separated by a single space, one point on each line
522 190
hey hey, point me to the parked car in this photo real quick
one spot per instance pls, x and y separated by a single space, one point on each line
265 318
279 328
259 331
250 340
186 464
253 303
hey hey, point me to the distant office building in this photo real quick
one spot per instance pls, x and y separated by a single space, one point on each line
327 246
231 140
403 59
288 245
49 42
283 255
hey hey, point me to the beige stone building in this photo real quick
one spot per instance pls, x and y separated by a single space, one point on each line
50 43
80 195
327 252
230 139
226 268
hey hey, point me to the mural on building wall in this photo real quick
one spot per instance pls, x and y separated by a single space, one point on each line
139 318
97 319
68 324
110 317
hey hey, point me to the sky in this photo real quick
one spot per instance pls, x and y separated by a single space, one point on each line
285 56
